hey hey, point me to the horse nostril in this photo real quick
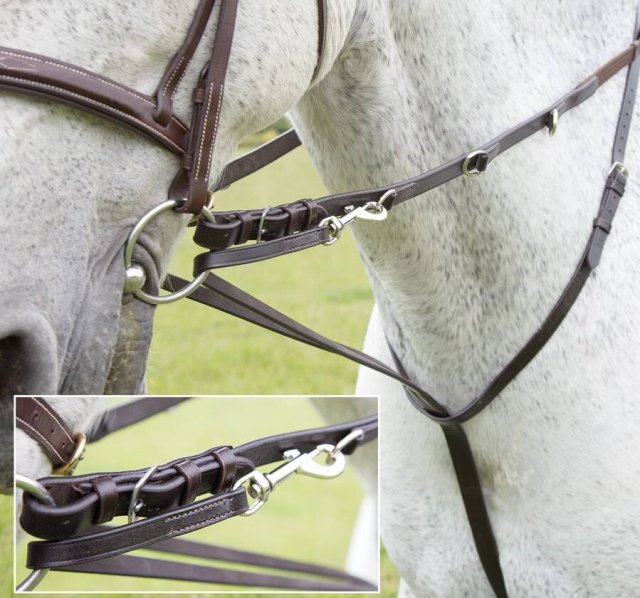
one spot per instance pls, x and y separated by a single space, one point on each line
28 353
15 368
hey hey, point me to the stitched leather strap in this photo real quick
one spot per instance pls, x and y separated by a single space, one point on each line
77 506
179 63
191 184
117 540
70 84
43 423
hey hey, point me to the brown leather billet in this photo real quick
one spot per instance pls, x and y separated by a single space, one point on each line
71 84
45 425
76 502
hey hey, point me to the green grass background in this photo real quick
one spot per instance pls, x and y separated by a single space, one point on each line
196 350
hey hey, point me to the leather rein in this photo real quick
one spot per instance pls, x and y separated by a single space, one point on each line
306 223
70 513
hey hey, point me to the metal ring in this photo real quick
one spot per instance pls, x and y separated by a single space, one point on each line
134 269
357 434
261 224
32 580
386 195
470 164
335 228
35 488
135 505
78 454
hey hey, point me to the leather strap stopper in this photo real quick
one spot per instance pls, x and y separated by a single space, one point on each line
602 223
193 478
228 465
107 492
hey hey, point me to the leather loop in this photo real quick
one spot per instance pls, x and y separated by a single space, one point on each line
192 480
107 493
228 467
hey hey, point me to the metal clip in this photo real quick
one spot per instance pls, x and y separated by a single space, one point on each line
619 166
78 454
261 485
135 504
372 211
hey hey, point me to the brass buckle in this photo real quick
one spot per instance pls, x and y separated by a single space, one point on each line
68 467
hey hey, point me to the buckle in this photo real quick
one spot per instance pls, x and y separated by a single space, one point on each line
475 163
78 454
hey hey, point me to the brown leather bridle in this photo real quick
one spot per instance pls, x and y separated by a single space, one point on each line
307 223
174 498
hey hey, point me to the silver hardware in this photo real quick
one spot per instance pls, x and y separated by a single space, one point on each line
261 229
261 485
32 580
132 282
371 211
619 166
357 434
36 489
386 195
135 504
552 121
470 164
134 278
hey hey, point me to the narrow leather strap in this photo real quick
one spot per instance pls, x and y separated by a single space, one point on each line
135 566
322 37
177 67
117 540
70 84
130 413
215 235
258 158
192 182
45 425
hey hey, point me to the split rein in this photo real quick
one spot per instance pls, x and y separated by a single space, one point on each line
70 513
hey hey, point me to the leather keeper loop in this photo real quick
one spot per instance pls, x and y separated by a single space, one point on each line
246 227
198 95
293 225
107 492
228 465
603 224
193 478
312 213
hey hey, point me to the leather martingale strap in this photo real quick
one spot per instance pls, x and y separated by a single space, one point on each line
166 495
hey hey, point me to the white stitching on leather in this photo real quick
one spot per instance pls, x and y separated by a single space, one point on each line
96 78
215 131
203 135
43 439
109 108
44 406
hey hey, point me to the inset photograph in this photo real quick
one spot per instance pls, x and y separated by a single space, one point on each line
212 494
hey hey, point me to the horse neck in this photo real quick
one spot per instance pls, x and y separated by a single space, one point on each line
464 274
